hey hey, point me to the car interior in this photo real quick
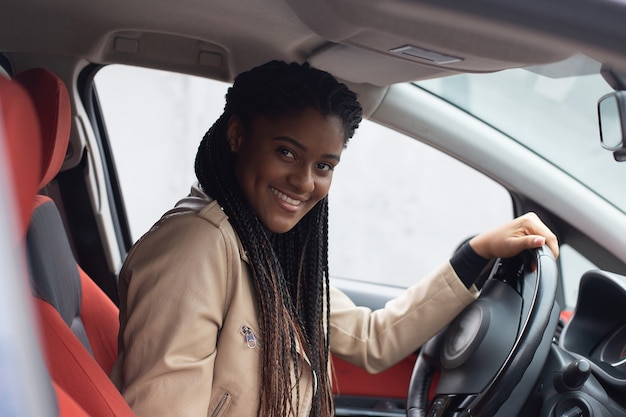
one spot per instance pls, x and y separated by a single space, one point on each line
527 347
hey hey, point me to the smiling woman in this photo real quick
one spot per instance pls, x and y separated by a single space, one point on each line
246 254
282 125
285 166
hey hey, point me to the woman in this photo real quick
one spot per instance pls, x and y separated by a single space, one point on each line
226 308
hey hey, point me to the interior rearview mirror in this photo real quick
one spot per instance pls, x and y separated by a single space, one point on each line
612 119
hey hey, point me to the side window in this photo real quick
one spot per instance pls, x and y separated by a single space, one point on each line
573 266
155 121
398 208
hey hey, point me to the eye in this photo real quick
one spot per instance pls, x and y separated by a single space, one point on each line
286 153
323 166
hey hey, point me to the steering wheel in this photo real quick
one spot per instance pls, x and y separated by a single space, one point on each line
487 360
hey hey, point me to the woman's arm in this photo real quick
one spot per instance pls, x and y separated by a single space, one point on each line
376 340
379 339
174 290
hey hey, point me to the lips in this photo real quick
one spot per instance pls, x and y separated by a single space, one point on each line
286 199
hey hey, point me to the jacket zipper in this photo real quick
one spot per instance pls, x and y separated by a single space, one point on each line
249 335
220 404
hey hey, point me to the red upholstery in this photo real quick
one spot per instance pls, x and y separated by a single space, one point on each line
52 102
75 370
351 380
100 317
67 405
23 142
78 319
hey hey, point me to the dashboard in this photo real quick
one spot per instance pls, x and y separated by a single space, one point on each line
597 329
611 353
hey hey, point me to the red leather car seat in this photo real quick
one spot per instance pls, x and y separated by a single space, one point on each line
22 137
79 323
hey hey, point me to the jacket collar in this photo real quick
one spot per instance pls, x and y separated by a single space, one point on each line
198 202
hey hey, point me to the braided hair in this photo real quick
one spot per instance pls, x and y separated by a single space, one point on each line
289 270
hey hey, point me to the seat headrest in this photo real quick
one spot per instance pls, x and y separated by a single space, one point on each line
19 130
52 103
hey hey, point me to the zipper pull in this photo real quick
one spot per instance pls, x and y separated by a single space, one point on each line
250 339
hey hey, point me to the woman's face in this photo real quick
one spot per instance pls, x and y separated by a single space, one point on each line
285 166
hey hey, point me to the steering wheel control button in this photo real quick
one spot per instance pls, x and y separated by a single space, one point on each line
449 405
439 406
464 336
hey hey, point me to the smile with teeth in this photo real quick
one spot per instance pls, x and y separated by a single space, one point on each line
286 198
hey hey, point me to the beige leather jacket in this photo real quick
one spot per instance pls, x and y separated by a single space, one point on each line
189 338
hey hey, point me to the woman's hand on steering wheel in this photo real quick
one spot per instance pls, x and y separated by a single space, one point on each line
510 239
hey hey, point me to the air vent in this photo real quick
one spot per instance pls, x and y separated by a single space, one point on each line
413 52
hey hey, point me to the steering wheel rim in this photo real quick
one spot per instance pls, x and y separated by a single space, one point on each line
525 284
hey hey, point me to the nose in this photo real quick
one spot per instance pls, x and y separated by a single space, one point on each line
301 178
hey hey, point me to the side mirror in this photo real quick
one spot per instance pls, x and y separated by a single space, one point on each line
612 119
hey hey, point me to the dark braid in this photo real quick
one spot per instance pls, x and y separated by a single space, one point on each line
289 270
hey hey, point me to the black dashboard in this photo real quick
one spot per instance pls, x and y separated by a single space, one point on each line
597 329
610 355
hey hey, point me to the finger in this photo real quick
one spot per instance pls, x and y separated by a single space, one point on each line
537 227
538 241
553 244
528 242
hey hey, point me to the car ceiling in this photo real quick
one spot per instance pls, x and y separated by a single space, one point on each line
351 38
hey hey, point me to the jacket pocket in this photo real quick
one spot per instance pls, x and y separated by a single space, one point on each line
222 405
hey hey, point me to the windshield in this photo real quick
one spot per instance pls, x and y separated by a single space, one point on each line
552 110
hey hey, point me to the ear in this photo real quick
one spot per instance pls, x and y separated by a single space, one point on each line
234 133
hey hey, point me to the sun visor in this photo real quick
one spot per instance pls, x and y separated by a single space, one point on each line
418 40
